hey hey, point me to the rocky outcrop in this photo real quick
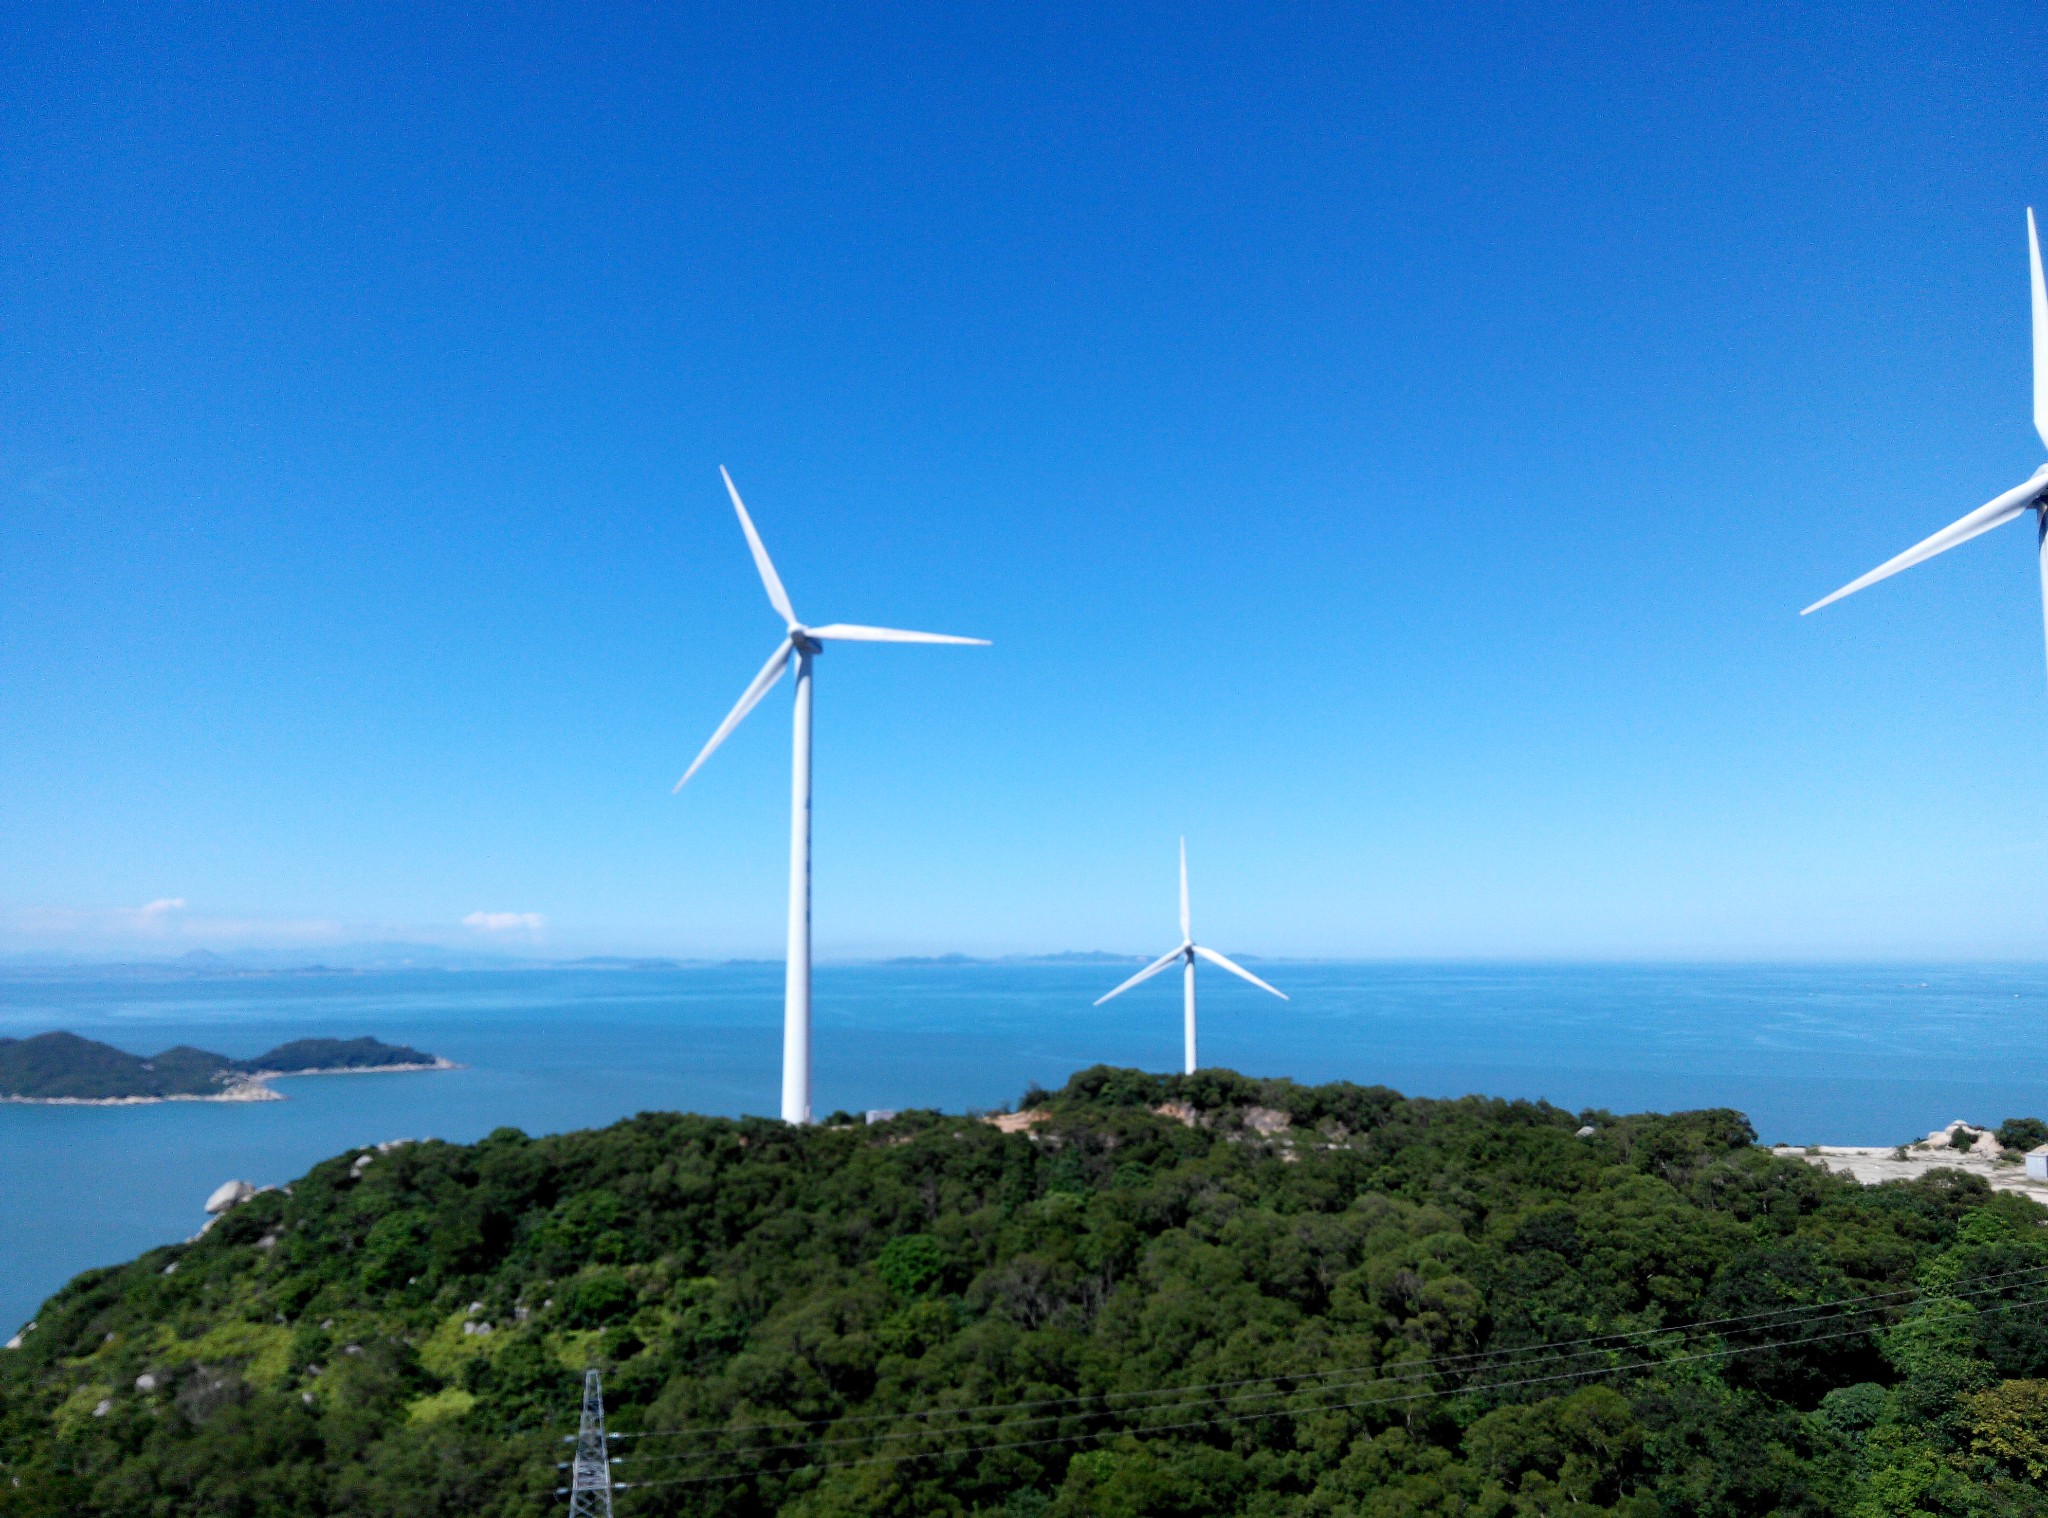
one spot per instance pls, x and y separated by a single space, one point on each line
1017 1122
229 1194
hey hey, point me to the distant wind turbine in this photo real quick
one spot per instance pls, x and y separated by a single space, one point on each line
1188 952
2031 496
805 643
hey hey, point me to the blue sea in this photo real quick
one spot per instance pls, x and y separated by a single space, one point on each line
1824 1053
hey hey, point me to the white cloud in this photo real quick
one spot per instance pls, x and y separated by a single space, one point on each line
520 924
161 918
152 927
170 925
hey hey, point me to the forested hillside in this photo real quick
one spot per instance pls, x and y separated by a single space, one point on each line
1264 1299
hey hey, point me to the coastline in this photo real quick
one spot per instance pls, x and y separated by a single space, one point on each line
241 1091
279 1075
252 1086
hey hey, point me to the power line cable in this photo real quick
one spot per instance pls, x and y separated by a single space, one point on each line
1310 1411
1400 1370
1402 1373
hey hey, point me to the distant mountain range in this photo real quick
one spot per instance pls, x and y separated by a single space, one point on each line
356 959
1065 957
343 959
62 1067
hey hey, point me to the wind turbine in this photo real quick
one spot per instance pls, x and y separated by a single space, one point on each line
804 644
2031 496
1188 952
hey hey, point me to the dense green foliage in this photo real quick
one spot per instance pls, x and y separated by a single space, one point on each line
1264 1299
65 1067
2022 1133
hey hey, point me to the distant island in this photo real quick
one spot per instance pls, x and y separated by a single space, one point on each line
62 1067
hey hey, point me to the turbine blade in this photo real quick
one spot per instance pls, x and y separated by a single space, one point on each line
1236 969
1991 514
1186 932
2040 329
850 632
749 699
1145 974
770 581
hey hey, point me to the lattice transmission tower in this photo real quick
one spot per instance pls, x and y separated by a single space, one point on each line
590 1474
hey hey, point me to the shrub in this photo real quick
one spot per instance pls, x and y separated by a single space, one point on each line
592 1301
394 1252
911 1265
2022 1133
2009 1422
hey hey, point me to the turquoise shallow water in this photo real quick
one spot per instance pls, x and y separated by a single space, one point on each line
1842 1054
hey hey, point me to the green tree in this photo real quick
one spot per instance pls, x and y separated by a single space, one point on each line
2009 1422
2022 1133
911 1264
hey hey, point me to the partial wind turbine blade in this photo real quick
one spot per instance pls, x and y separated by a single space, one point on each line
1145 974
1186 932
849 632
1236 969
777 596
1983 519
2040 330
770 673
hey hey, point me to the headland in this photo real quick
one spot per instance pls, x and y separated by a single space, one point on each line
1140 1294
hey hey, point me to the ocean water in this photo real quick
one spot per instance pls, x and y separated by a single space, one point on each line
1825 1053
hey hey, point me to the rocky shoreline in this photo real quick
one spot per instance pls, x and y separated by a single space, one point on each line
252 1087
278 1075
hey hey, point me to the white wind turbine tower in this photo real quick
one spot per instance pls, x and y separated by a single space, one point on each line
1188 952
805 643
2031 496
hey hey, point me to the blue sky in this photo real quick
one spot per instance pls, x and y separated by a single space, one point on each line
1389 445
